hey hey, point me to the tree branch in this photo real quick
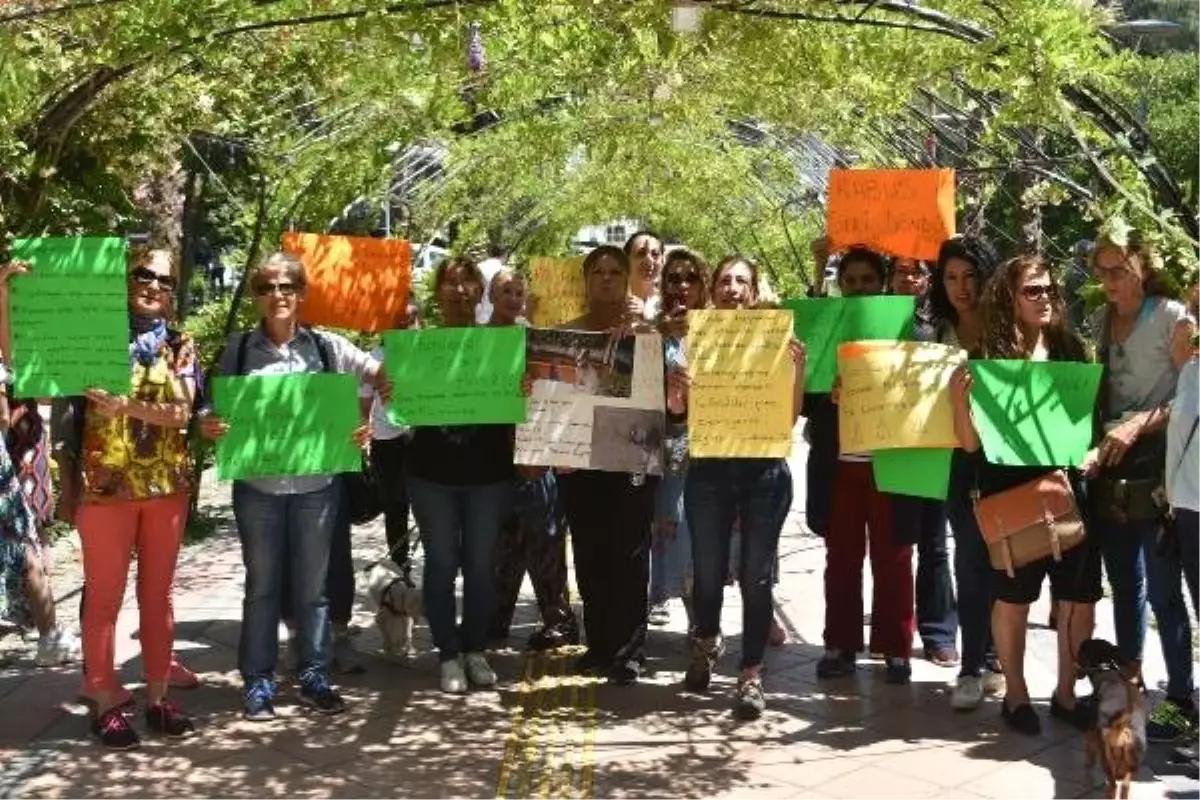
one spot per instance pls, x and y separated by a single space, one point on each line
802 16
34 13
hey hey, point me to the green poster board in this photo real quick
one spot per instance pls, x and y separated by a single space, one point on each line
287 425
1034 413
915 471
823 323
456 376
70 317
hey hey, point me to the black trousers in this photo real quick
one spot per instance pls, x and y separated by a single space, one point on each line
822 460
387 460
610 521
525 548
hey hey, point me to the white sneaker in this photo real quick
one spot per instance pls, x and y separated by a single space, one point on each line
968 693
479 670
57 647
453 679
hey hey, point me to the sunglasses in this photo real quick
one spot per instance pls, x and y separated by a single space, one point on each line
146 277
285 288
680 278
1039 292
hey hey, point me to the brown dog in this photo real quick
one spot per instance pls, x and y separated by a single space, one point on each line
1118 737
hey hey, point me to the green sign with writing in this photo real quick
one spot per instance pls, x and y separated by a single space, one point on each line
456 376
70 317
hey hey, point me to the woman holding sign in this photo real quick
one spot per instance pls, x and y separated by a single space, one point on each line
609 513
1024 318
718 491
860 515
135 479
460 480
286 522
963 268
1143 339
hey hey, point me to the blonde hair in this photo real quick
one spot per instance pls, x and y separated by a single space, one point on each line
503 275
141 255
289 264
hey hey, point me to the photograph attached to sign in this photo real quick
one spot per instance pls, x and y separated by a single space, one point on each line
628 439
595 404
592 363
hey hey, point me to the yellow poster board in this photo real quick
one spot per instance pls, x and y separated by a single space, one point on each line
558 289
740 401
896 394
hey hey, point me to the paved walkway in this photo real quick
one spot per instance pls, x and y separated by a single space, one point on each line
543 732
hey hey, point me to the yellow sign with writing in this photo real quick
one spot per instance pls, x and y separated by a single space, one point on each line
896 394
740 401
559 293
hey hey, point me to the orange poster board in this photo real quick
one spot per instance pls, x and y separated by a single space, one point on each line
898 212
354 282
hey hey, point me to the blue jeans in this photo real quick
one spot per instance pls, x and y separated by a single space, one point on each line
972 568
459 527
670 542
718 491
1136 573
278 532
922 522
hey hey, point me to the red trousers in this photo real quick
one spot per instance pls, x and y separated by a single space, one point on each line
860 512
110 532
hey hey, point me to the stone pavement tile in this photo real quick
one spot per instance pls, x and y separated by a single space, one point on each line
947 764
877 781
435 766
1029 777
259 772
807 765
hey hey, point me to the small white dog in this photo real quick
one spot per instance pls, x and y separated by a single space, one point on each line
400 606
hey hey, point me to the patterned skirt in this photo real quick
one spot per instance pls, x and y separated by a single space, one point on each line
17 533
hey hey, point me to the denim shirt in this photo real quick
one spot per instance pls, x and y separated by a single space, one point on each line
264 357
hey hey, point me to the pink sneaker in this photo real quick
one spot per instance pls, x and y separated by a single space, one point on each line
181 677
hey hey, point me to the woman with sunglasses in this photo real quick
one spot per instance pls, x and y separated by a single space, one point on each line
286 522
1024 318
682 290
1143 339
135 491
756 491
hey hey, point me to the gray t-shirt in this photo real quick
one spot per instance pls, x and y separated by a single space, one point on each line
1142 375
264 357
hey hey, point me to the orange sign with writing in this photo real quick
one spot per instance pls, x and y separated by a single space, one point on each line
353 282
899 212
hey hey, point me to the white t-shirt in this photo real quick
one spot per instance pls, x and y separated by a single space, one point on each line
381 426
489 267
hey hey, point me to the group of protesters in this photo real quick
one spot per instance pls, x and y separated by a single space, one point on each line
638 540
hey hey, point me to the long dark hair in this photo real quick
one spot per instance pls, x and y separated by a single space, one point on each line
1002 333
686 256
975 251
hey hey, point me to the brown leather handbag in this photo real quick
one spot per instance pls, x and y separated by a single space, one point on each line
1026 523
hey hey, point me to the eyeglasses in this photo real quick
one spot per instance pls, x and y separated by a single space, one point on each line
1040 291
1111 273
285 288
146 277
680 278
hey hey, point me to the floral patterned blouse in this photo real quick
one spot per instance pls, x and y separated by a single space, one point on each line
129 459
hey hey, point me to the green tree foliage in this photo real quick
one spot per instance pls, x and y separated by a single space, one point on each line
598 109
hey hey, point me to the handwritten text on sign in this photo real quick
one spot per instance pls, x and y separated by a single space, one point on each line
901 212
896 394
354 282
73 286
559 288
740 401
581 423
456 376
287 425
